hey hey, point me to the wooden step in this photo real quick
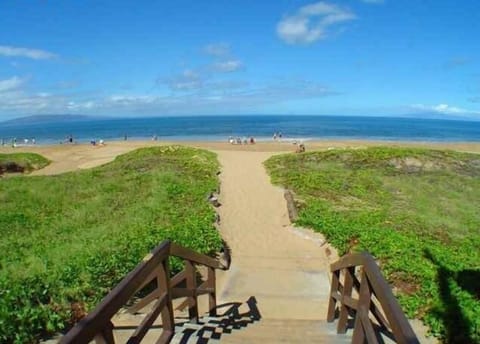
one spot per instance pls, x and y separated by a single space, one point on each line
235 328
261 331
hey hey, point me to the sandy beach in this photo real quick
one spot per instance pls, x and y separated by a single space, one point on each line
69 157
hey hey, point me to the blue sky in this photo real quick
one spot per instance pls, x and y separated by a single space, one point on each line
155 58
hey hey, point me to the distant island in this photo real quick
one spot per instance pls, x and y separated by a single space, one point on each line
34 119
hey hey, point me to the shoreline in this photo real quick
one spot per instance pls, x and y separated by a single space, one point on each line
265 144
258 140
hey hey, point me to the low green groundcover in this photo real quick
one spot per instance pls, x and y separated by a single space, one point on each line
66 240
417 211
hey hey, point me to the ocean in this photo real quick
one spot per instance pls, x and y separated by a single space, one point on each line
219 128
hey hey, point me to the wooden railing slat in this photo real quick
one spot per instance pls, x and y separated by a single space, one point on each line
167 312
192 256
149 279
177 279
332 301
144 326
367 327
184 292
165 337
106 335
350 302
145 301
347 292
192 286
379 316
212 295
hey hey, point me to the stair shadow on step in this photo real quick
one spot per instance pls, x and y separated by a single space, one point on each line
211 329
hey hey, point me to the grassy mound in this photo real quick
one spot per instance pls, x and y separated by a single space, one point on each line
416 211
68 239
21 162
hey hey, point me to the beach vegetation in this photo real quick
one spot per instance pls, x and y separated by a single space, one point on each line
68 239
21 162
415 210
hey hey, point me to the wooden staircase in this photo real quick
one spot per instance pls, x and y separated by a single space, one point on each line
149 306
235 323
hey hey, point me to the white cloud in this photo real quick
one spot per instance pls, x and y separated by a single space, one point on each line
206 88
79 106
212 96
444 109
11 84
228 66
188 80
131 99
217 49
203 77
35 54
311 22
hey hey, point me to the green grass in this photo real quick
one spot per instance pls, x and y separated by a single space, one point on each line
68 239
28 161
417 211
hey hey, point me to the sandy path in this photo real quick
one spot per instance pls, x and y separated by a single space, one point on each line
284 271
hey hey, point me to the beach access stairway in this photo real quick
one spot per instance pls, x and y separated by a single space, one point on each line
149 306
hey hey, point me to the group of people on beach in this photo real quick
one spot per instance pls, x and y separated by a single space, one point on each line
239 141
69 139
97 143
15 143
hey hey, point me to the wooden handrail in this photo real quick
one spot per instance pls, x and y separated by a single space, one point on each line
194 257
372 283
98 325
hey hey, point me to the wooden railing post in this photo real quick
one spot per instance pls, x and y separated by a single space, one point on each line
332 302
346 292
363 327
163 280
106 336
212 296
192 287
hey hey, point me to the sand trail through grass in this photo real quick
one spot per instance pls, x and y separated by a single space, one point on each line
285 272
